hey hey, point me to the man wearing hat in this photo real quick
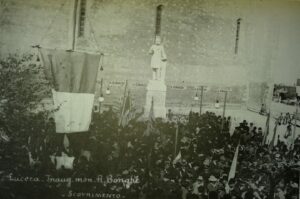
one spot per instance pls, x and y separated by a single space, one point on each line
212 187
198 187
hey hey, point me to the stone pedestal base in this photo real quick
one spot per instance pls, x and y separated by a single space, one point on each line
156 90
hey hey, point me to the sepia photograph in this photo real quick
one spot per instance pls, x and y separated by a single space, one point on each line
149 99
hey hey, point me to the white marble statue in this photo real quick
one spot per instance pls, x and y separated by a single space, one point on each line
158 60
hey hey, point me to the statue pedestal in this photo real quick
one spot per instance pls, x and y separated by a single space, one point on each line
156 90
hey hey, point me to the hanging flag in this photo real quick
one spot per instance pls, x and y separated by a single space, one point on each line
234 123
66 143
3 136
87 154
32 162
150 123
177 158
126 113
116 105
73 76
295 127
267 128
272 143
232 171
123 103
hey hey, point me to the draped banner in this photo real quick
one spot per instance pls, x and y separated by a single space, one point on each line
73 76
234 162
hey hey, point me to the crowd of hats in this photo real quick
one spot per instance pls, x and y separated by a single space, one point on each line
203 157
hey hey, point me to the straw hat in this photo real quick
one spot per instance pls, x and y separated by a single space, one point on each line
212 178
200 178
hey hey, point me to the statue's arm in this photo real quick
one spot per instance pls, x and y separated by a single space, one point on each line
151 51
163 54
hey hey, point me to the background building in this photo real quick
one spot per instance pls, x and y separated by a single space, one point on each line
200 39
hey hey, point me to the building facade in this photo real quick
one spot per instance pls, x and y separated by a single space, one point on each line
241 44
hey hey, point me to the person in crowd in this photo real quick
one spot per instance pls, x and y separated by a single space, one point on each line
212 187
280 119
263 109
288 131
203 159
217 104
287 118
251 127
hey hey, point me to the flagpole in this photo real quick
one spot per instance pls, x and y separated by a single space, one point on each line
120 121
201 98
101 95
295 126
124 98
274 136
150 144
267 128
231 174
299 185
176 140
224 108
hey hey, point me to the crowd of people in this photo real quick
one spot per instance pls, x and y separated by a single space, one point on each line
185 159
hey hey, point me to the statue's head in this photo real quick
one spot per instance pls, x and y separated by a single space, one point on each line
157 40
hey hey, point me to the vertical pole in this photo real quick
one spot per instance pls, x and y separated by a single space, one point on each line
74 24
266 133
295 125
123 103
101 95
201 98
176 140
224 108
299 185
272 143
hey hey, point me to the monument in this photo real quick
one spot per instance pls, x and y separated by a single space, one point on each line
156 88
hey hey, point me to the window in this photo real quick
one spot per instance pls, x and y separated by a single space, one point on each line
158 19
237 35
82 15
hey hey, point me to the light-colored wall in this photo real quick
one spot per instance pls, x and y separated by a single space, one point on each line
198 35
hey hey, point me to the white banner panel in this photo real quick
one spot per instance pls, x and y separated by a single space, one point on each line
74 111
